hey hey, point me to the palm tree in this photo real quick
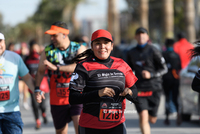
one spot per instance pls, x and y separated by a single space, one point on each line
51 11
1 21
69 13
168 18
113 21
144 13
190 18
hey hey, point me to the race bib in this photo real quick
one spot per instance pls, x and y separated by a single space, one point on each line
110 112
4 93
62 89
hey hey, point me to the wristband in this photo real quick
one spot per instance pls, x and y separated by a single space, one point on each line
130 98
57 69
37 89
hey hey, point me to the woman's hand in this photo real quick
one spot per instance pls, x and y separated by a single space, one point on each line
126 91
106 92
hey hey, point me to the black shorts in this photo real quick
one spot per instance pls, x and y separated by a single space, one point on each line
120 129
150 103
62 114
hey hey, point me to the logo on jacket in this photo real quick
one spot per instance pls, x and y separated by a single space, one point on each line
140 63
162 60
104 105
74 76
2 68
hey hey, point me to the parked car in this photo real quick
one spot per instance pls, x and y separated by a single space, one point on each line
190 99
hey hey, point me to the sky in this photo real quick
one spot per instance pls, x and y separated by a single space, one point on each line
17 11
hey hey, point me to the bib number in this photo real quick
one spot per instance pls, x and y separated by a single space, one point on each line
4 93
62 89
110 112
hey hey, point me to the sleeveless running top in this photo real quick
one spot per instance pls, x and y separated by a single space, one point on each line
59 81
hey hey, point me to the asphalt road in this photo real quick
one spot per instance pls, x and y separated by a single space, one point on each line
192 127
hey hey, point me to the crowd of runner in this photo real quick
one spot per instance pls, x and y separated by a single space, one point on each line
87 84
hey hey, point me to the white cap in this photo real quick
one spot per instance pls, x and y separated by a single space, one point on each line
2 36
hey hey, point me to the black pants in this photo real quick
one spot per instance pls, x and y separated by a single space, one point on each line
37 106
120 129
171 87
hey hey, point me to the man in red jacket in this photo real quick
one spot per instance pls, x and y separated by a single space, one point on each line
181 47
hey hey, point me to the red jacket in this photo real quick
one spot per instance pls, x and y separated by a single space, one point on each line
182 48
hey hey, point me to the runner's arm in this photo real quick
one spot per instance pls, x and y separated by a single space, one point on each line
66 68
132 94
70 68
76 97
159 63
134 91
41 70
77 85
81 49
28 79
38 78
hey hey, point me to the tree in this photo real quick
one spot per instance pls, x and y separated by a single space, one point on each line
168 18
113 21
144 13
1 22
189 19
51 11
25 31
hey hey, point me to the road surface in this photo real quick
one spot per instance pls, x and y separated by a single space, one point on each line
132 124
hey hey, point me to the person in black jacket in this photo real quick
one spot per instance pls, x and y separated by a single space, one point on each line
149 66
171 81
101 83
196 81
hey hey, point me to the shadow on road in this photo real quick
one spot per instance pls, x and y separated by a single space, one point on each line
134 123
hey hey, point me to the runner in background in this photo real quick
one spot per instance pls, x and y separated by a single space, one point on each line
171 82
182 48
57 58
11 46
23 88
149 66
32 62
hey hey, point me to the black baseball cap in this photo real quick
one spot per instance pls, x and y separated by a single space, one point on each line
141 30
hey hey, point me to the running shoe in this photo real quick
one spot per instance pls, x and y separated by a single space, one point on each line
38 124
26 106
45 121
